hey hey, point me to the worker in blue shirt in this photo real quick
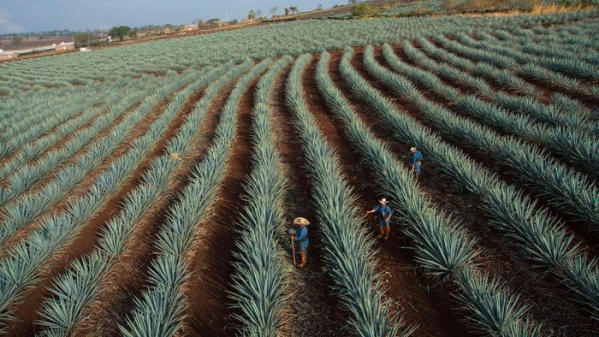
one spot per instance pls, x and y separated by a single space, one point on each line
301 238
385 212
416 162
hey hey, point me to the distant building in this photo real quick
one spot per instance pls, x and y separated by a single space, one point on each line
64 46
189 28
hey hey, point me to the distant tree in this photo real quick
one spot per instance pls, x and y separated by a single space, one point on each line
17 40
361 10
286 11
319 8
293 9
252 15
85 40
274 10
132 33
259 13
352 2
213 21
120 32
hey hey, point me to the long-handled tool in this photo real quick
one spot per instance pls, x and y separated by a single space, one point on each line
292 232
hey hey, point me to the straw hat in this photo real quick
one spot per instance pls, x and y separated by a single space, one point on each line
412 149
301 221
383 201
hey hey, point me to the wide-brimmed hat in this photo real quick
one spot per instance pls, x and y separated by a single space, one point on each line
383 201
301 221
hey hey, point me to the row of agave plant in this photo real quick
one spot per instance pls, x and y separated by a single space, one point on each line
20 269
348 253
79 286
552 46
25 108
563 110
25 209
573 44
160 310
550 43
443 248
572 142
566 188
35 148
260 277
568 65
36 105
21 127
25 177
560 74
542 237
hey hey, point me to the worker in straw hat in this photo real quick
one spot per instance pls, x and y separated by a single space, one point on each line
385 212
301 238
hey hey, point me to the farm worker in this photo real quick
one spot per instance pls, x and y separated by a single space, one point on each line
416 161
301 238
385 212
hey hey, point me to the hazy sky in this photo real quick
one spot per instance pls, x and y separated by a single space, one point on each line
40 15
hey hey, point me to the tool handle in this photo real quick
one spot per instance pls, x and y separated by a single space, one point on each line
293 249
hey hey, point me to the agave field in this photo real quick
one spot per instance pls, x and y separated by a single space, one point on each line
147 190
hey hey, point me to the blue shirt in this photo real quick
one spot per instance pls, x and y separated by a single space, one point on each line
384 211
417 157
301 233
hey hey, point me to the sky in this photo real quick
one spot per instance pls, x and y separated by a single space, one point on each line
79 15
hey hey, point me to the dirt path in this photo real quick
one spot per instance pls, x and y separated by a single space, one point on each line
538 289
90 232
312 306
209 312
